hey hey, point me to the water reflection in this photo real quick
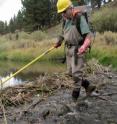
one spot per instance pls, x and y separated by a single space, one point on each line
29 74
12 82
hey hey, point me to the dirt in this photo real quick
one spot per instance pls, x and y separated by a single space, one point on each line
55 106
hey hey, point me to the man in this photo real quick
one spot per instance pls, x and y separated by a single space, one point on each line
77 37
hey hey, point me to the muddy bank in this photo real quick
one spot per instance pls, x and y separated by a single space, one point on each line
48 101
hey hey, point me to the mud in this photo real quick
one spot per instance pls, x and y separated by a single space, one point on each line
59 108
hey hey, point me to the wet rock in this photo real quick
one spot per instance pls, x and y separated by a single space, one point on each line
89 120
82 106
52 120
45 113
59 108
63 109
70 119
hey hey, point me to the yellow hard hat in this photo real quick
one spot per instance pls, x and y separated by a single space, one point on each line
62 5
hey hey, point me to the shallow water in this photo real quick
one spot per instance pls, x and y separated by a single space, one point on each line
29 74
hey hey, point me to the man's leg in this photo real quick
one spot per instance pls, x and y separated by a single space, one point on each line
70 65
69 69
69 57
77 87
77 73
88 87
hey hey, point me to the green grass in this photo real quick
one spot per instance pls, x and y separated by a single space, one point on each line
28 47
104 58
105 53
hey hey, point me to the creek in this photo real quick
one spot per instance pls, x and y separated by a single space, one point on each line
7 68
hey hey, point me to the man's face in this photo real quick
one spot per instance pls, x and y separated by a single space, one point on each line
67 13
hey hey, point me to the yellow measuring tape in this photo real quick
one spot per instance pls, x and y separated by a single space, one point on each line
27 65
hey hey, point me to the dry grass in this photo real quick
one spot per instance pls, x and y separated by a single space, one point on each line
46 85
105 19
43 86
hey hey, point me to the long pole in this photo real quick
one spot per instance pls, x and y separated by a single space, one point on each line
27 65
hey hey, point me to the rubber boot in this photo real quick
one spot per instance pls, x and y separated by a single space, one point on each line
75 94
76 90
88 88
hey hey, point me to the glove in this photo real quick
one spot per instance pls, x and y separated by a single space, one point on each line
84 47
59 41
57 45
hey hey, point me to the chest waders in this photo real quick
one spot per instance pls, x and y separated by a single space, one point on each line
75 62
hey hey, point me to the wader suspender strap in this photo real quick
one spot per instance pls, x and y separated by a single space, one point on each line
76 21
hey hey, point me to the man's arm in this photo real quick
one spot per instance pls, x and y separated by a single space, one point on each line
86 33
86 44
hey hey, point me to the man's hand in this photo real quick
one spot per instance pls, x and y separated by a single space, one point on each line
84 47
81 50
57 45
59 41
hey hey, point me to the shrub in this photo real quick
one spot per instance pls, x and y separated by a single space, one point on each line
38 35
110 38
105 20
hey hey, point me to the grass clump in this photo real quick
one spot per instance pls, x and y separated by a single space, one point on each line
105 20
104 52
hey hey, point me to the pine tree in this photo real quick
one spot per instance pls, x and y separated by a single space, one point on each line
12 27
38 13
19 21
1 27
5 27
